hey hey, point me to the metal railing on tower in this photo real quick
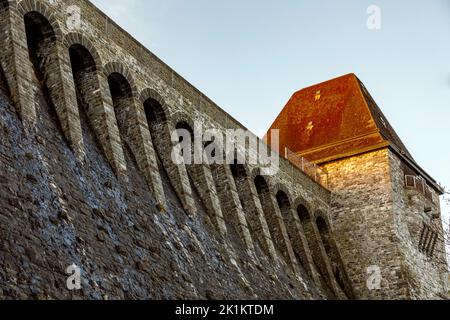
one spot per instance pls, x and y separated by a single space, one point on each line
317 173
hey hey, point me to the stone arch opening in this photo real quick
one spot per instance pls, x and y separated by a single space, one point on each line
14 67
305 221
154 112
240 179
40 7
248 198
51 70
122 99
4 21
81 58
3 82
4 4
283 202
43 54
4 16
84 72
318 258
78 39
185 131
41 40
158 126
183 125
264 193
238 170
160 132
292 229
118 68
303 215
90 87
210 151
201 174
41 43
333 256
228 194
324 234
87 90
274 222
264 197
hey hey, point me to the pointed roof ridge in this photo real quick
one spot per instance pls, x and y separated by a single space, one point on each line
348 75
383 124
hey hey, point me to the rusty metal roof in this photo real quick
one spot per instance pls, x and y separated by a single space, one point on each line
337 119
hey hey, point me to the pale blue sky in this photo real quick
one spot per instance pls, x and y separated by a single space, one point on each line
251 56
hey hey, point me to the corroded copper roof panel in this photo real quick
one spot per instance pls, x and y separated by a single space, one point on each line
386 130
337 119
326 120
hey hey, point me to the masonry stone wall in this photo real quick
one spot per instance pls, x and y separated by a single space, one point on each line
133 102
107 89
423 256
55 212
372 214
363 221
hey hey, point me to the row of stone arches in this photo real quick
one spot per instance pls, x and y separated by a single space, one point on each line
73 74
303 235
300 234
108 96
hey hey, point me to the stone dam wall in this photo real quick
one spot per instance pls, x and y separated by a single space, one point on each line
87 177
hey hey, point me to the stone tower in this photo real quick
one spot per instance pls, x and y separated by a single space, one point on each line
385 208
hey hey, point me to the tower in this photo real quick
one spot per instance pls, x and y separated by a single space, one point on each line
386 215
